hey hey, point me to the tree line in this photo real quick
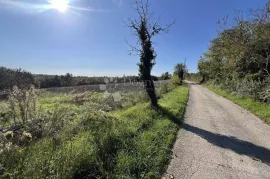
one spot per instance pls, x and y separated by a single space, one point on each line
238 59
24 79
15 77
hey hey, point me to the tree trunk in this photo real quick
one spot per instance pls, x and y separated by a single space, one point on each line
150 89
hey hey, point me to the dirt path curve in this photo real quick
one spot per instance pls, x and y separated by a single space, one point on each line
219 140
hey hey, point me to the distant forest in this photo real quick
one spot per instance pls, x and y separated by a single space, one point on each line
23 79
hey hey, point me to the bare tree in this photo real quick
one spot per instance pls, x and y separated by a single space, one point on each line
144 28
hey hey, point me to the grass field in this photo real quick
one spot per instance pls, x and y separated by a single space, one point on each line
259 109
89 136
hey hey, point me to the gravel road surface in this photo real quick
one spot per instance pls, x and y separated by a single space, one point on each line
220 139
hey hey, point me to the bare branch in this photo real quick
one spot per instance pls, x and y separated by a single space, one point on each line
157 29
133 24
259 15
138 8
133 50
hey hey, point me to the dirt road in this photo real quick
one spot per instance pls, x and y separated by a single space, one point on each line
219 140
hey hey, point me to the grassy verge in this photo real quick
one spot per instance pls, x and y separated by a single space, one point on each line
259 109
128 143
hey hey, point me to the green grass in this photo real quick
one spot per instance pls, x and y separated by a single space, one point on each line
128 143
259 109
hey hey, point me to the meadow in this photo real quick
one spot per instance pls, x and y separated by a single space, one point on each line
89 134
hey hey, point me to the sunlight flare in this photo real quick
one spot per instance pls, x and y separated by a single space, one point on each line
60 5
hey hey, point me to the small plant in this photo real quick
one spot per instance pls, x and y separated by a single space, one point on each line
23 104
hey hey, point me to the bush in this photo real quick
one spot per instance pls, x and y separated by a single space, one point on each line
165 88
247 87
195 77
175 80
264 94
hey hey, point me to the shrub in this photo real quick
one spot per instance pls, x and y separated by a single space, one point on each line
264 94
195 77
165 88
175 80
247 87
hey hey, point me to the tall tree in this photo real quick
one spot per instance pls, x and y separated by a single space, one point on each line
68 79
145 29
240 52
180 70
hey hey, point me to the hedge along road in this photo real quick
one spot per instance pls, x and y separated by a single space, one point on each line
220 139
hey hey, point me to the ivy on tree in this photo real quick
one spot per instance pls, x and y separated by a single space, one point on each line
144 28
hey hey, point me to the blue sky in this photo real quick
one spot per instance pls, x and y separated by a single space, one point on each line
90 40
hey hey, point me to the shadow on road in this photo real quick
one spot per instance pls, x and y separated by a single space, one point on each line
232 143
227 142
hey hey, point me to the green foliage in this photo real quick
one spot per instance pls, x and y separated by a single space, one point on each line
85 143
238 58
23 79
166 88
195 77
179 70
175 80
239 51
48 81
264 94
165 76
17 77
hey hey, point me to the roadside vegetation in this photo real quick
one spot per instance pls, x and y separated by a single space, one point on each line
237 63
179 70
194 77
259 109
238 59
88 135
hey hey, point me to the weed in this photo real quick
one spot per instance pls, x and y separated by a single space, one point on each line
77 138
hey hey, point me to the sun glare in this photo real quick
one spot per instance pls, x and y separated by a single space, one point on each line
60 5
